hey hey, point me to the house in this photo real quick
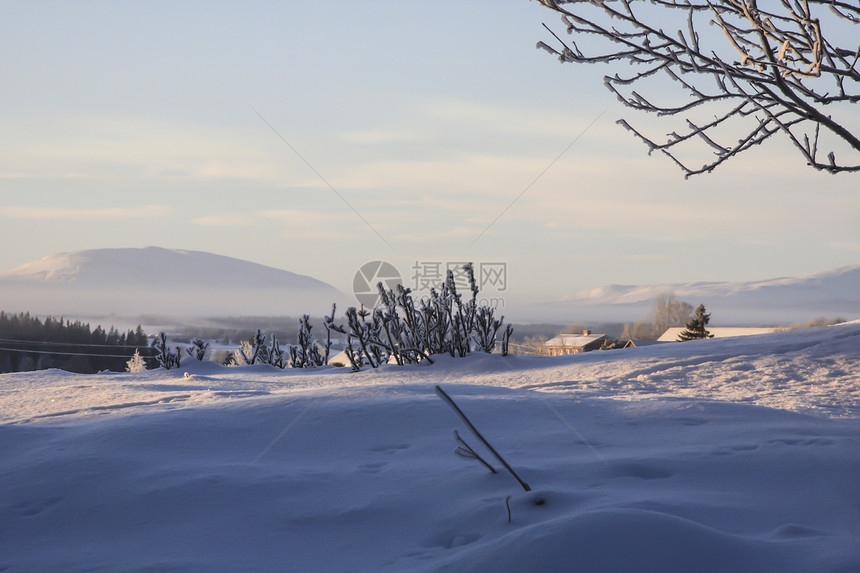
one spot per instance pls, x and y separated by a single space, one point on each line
573 343
671 334
339 359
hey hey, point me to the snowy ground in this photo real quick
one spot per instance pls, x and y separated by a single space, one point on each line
722 455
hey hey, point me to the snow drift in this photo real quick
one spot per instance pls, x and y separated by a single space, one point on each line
658 459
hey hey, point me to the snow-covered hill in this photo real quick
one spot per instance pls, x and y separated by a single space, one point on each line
154 280
831 293
657 459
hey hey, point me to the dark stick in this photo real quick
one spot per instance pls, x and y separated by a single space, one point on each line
464 450
450 402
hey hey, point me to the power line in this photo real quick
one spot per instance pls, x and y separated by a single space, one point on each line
30 351
18 341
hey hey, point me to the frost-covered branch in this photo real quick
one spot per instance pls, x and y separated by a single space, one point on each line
765 71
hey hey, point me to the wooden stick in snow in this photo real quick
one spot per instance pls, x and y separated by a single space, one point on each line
442 394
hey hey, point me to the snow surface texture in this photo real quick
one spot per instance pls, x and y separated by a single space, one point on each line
640 460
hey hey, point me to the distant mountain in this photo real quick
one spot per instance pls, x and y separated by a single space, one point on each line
830 293
154 280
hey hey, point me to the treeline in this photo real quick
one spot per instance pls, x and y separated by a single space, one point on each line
30 343
233 330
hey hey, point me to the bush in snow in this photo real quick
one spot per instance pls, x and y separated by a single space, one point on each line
486 328
256 350
222 356
166 358
276 355
136 363
399 330
306 354
242 355
407 333
259 349
197 349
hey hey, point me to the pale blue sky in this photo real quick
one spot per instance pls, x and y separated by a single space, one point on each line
134 124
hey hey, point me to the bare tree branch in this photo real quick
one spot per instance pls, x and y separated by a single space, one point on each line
768 71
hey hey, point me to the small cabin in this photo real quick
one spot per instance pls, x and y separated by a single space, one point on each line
573 343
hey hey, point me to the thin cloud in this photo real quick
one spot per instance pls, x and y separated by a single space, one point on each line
294 217
522 120
383 136
114 147
226 221
292 223
845 246
80 214
305 219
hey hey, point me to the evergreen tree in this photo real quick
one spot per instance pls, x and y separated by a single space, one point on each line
695 329
59 343
139 337
136 363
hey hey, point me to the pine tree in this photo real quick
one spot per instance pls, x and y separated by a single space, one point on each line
136 363
695 329
140 338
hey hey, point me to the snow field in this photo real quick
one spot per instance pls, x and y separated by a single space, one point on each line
254 469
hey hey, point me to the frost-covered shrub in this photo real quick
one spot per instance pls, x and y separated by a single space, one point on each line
399 330
242 355
276 355
197 349
259 349
485 329
136 363
166 357
222 356
255 350
306 354
407 333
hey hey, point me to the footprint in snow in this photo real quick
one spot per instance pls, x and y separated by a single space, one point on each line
35 507
640 471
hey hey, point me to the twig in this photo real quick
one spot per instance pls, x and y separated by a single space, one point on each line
442 394
464 450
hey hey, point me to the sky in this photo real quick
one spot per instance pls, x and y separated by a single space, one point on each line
315 137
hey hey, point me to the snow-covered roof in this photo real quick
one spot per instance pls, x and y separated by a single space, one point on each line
671 334
340 357
573 340
639 342
343 359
